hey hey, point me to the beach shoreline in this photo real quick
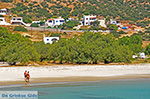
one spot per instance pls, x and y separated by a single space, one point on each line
73 73
63 80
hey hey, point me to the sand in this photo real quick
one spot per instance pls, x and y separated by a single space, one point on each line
57 73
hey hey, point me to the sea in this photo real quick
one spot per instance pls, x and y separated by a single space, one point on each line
108 89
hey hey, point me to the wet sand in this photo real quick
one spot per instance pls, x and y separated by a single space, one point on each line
72 79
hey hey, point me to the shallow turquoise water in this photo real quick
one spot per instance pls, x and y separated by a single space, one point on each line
118 89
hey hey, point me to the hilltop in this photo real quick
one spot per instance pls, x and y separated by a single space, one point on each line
43 9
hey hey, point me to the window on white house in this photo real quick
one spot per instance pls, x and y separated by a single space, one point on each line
50 21
54 39
18 19
61 20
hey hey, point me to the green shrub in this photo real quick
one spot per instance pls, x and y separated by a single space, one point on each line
69 24
27 20
20 28
122 32
147 50
34 25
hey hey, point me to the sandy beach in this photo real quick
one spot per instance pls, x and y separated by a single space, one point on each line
60 73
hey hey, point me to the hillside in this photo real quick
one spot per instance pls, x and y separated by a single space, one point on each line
42 9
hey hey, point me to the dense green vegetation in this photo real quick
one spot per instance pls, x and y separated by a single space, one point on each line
34 25
30 12
89 48
147 50
95 26
117 34
130 10
113 27
20 28
69 25
15 48
133 42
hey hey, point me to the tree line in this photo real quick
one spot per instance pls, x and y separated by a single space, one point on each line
89 48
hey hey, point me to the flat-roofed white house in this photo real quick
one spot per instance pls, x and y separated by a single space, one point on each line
50 40
87 19
55 22
3 22
3 11
18 21
140 55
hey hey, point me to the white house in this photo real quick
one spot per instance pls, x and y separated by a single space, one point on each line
140 55
55 22
50 40
87 19
3 11
3 22
18 21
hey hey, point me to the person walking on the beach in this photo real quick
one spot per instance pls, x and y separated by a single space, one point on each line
28 77
25 75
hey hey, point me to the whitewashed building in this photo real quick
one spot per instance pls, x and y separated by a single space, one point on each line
50 40
3 22
140 55
3 11
88 19
18 21
55 22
